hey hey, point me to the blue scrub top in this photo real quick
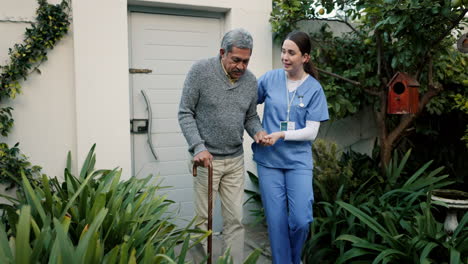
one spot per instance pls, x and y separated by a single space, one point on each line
272 91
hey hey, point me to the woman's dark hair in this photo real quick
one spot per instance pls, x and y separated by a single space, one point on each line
302 40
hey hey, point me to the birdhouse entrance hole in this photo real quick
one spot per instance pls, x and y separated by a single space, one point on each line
399 88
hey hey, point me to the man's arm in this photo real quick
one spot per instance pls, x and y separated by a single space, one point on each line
187 106
252 123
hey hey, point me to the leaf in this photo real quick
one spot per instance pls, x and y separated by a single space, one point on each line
34 200
388 252
455 256
253 178
111 256
23 249
417 174
352 253
399 169
361 243
88 164
47 193
184 250
366 219
69 161
65 248
423 258
83 243
253 257
160 257
6 255
132 259
75 195
41 242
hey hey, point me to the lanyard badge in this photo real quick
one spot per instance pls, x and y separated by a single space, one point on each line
289 125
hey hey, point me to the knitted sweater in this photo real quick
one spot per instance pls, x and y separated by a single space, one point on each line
213 112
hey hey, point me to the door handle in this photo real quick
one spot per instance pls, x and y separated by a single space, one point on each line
149 124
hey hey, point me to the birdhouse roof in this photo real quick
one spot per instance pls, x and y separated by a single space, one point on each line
399 76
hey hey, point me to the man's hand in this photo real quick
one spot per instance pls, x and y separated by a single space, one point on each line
203 158
259 137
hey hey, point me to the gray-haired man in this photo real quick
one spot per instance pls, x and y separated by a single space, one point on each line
218 102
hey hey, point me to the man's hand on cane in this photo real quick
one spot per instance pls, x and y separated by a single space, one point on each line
203 158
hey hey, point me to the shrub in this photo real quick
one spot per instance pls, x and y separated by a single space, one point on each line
92 218
11 163
388 222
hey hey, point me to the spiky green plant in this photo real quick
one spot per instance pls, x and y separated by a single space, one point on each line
92 218
391 222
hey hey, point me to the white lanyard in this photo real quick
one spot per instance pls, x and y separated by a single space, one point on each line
289 102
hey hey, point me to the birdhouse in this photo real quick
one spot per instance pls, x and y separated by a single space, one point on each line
403 94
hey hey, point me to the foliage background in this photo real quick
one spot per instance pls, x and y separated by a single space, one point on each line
385 37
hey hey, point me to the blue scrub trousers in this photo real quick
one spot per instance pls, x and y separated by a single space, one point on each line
287 197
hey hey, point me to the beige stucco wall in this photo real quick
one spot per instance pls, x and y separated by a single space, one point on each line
82 95
101 82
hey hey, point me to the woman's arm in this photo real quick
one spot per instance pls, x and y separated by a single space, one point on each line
307 133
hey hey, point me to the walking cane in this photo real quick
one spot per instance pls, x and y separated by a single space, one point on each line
210 205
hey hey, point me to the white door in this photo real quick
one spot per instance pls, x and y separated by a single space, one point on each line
168 45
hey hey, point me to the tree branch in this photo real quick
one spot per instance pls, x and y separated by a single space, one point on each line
339 77
447 32
439 39
340 21
379 52
380 117
369 91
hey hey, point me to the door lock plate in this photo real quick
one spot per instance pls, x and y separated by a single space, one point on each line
139 126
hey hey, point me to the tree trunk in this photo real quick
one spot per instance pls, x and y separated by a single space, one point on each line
385 153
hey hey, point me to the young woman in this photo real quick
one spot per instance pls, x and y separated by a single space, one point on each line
295 105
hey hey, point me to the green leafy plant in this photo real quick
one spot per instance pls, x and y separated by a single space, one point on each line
388 222
92 218
11 163
416 239
329 173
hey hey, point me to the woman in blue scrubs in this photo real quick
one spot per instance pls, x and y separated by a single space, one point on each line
295 104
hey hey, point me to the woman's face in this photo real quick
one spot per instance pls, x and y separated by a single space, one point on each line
292 58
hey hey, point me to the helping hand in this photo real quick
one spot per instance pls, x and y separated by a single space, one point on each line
259 137
270 140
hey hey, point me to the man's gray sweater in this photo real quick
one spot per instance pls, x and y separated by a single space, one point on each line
213 112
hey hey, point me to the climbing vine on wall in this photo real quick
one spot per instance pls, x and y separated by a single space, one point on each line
52 24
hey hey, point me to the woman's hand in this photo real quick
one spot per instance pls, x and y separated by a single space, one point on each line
270 140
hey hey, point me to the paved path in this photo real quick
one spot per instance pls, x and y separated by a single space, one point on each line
255 237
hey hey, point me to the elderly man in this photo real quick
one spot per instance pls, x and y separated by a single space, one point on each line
218 102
